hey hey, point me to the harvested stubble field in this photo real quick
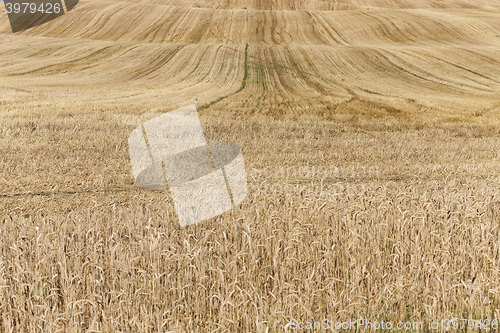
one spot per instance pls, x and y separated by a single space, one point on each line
370 132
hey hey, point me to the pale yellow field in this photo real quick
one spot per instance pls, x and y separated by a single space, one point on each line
370 132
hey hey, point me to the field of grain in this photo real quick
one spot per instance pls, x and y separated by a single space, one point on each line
370 133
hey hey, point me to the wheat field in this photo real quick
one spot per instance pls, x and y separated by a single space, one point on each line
370 133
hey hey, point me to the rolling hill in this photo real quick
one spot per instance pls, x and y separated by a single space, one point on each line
421 58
